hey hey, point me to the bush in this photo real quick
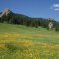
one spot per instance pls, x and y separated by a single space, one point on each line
11 47
57 26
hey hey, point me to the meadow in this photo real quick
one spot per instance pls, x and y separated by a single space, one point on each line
21 42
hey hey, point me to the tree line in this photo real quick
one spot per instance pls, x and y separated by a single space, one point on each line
19 19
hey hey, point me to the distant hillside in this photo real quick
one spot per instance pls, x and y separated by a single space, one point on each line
7 16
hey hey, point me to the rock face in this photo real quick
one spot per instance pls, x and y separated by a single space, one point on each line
5 12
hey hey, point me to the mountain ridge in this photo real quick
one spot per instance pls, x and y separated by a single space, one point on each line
5 12
8 16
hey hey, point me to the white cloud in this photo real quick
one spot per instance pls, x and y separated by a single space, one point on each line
55 7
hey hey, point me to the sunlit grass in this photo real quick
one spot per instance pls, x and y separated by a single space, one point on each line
21 42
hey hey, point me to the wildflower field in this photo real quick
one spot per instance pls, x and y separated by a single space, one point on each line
21 42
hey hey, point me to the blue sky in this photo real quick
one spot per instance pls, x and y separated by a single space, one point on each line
33 8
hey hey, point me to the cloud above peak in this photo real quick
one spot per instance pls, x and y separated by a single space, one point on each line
55 7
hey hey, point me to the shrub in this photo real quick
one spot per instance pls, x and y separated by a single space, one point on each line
11 47
57 26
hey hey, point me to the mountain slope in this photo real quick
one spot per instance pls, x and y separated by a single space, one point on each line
7 16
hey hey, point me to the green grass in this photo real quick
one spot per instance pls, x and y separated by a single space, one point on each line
21 42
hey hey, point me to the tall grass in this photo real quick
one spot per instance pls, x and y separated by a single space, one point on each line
21 42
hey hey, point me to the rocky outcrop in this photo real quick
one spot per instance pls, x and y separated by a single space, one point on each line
5 12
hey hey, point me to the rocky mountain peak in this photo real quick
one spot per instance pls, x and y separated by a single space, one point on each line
5 12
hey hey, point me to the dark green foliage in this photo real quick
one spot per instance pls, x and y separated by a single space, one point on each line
34 23
14 18
57 26
11 47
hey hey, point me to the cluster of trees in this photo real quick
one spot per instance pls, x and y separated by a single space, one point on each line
20 19
57 26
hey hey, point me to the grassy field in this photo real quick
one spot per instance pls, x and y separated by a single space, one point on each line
21 42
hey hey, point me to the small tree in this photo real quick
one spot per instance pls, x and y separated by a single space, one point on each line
57 26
